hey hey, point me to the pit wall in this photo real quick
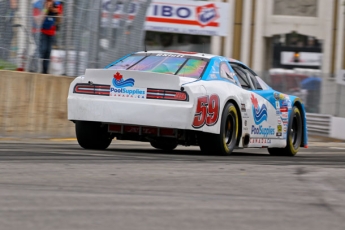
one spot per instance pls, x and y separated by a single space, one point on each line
34 105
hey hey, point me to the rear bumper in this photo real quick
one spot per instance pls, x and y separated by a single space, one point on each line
145 112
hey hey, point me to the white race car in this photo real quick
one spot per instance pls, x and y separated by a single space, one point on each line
171 98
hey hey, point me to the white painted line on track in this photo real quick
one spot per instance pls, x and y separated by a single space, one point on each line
57 152
82 154
337 148
143 157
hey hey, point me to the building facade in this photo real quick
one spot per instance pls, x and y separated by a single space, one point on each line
258 24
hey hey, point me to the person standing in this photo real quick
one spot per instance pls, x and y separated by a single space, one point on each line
49 15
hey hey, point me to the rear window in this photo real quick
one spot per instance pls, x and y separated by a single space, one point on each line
192 68
127 62
159 64
182 66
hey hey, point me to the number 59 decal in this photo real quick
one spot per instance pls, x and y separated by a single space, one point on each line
207 111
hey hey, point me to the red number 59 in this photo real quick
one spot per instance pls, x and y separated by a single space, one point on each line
207 111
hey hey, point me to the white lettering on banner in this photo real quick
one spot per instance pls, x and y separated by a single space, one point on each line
194 17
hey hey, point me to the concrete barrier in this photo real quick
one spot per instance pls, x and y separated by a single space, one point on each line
34 105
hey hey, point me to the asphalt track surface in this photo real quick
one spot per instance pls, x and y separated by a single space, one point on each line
57 185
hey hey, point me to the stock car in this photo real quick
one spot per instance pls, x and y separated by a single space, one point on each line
171 98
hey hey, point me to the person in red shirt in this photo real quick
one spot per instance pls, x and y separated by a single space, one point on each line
47 18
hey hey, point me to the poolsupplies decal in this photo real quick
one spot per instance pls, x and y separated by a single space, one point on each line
262 131
124 88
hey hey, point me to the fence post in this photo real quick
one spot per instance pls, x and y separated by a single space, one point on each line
94 24
78 29
69 27
122 30
28 15
136 42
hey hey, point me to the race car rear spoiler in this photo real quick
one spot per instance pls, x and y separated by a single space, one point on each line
134 79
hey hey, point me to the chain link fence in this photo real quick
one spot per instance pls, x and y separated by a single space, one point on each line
319 92
90 34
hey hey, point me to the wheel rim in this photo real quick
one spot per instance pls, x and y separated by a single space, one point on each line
295 132
229 124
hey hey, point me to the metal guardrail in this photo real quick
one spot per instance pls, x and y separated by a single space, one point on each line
319 124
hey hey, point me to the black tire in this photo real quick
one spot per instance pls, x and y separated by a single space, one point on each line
294 136
166 145
92 135
224 142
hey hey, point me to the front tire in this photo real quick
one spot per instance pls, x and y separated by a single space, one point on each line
92 135
294 135
224 142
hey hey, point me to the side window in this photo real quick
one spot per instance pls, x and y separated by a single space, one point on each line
242 77
225 72
248 76
262 83
255 82
253 78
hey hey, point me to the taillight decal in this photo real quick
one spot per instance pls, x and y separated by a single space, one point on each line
166 94
103 90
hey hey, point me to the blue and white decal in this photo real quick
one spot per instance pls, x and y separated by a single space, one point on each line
124 88
259 112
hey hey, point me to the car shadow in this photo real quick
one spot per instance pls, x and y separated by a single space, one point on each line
183 152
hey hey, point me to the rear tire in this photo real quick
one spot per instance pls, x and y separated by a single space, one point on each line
294 136
224 142
92 135
166 145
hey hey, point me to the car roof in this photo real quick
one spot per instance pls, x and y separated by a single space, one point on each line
190 53
178 52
